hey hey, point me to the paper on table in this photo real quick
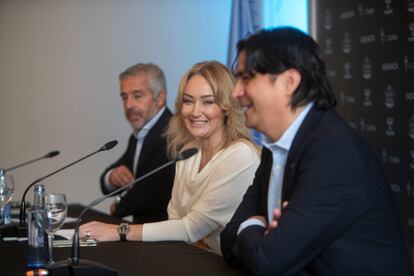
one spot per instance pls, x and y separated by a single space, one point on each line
14 239
68 243
70 219
66 233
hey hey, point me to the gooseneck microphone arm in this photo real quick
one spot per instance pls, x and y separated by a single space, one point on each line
49 155
105 147
75 241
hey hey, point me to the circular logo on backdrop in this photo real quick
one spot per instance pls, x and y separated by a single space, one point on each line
411 127
366 68
388 9
328 46
327 20
347 43
347 70
411 32
412 159
410 5
389 96
389 129
367 97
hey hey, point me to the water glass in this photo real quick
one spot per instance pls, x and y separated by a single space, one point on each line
51 217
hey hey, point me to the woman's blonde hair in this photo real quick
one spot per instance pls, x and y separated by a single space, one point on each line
221 82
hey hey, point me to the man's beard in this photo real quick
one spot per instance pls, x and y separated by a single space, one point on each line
133 112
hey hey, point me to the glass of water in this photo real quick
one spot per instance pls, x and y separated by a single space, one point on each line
51 217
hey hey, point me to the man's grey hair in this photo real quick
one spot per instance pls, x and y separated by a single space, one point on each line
156 77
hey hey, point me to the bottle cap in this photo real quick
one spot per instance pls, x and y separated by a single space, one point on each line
37 272
39 188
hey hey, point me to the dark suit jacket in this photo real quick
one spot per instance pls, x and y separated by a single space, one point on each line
341 218
147 201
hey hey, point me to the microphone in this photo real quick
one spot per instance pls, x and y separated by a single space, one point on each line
52 154
186 154
74 265
22 223
48 155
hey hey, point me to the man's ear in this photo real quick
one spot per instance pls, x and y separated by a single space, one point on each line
161 98
292 80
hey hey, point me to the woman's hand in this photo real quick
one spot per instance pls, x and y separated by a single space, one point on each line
99 231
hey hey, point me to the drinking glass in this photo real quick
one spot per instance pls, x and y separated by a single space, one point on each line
51 217
6 194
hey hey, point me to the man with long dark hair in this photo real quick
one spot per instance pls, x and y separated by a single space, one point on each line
339 216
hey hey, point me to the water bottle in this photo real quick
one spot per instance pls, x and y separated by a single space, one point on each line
38 254
8 213
8 206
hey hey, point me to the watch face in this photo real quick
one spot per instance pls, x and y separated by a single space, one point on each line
123 228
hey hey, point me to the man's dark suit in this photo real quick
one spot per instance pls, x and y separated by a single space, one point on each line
341 218
147 201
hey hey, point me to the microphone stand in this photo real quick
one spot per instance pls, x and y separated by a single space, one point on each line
21 228
14 229
23 204
76 266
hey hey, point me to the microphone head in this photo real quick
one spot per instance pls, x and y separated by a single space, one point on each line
187 154
52 154
109 145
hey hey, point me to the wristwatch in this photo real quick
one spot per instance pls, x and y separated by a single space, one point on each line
123 230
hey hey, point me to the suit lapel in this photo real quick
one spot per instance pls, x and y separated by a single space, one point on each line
302 138
130 153
267 161
149 146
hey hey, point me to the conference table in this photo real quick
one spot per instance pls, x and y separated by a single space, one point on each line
127 258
